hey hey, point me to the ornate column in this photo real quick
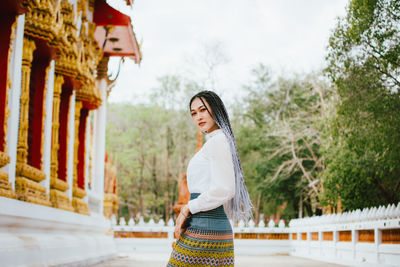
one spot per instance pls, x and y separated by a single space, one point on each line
27 180
101 130
78 193
58 196
27 57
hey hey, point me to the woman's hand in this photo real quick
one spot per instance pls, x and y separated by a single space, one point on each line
180 221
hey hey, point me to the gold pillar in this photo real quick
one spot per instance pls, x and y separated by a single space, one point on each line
58 197
79 204
27 57
27 179
5 185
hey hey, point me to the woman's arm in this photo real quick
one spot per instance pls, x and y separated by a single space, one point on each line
222 182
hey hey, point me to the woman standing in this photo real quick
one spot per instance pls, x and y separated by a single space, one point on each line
217 191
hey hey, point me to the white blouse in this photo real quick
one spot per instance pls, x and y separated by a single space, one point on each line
210 172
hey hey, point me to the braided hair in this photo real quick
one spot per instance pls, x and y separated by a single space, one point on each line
240 206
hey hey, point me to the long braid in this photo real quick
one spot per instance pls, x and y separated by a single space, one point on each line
240 206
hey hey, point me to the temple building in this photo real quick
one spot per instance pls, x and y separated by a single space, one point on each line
55 201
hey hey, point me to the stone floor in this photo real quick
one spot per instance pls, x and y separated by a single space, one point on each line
160 260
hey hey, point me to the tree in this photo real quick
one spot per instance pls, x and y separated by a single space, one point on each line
362 142
279 142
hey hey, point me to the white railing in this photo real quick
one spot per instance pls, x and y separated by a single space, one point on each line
365 215
162 227
157 237
370 235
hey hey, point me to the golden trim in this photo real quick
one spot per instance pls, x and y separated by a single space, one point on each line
30 191
58 184
27 57
58 82
78 192
5 185
83 7
68 58
28 171
44 21
80 206
4 159
60 200
110 204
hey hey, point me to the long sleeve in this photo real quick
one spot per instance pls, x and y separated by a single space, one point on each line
222 176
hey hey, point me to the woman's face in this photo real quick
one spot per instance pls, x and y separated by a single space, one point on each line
201 116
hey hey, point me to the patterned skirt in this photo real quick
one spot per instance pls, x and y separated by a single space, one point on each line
207 240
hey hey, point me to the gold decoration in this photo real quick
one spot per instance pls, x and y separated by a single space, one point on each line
79 192
68 60
60 200
80 206
4 159
89 93
44 21
25 170
5 186
28 190
58 184
115 204
90 57
102 67
58 197
91 5
82 7
58 82
27 57
110 204
78 203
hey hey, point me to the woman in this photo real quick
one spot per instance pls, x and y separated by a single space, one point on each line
217 191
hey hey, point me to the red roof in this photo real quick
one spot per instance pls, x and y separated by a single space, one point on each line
121 40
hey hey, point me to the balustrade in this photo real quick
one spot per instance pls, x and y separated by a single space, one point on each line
370 235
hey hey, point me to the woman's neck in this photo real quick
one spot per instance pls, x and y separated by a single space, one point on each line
213 128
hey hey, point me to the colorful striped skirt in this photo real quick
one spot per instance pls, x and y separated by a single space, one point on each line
207 240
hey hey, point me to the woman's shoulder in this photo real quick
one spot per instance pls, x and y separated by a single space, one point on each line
217 141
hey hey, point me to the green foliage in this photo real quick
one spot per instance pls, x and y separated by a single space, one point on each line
278 141
152 144
304 144
362 142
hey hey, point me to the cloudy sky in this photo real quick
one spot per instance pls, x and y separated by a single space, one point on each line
287 35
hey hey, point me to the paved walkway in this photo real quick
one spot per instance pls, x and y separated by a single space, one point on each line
160 260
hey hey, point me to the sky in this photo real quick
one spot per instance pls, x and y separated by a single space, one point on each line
286 35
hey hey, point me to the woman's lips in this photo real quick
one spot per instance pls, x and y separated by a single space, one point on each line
202 123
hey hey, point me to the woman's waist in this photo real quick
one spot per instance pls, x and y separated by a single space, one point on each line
216 213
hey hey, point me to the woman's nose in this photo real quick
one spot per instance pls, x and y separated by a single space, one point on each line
198 117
